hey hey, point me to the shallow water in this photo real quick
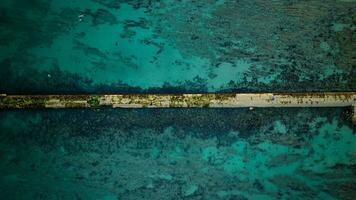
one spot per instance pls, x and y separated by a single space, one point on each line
168 46
171 46
177 154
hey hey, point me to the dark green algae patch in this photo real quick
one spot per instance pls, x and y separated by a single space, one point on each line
94 101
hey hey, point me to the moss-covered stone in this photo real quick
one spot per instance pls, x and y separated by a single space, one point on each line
94 101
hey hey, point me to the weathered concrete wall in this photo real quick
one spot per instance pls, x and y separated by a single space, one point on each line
227 100
231 100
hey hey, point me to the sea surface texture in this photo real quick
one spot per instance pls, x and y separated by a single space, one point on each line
177 46
196 154
56 46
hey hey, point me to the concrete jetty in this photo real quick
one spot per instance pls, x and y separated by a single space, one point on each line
217 100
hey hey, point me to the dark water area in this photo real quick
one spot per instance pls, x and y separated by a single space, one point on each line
143 46
177 154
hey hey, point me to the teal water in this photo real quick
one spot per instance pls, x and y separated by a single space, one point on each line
56 46
175 46
114 154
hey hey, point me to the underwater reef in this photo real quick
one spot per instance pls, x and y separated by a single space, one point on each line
174 47
144 46
295 153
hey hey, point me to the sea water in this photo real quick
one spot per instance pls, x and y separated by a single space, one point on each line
97 46
171 46
271 153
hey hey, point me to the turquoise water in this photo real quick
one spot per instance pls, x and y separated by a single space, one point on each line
176 46
177 154
56 46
